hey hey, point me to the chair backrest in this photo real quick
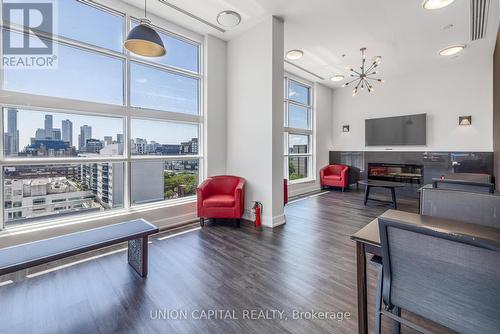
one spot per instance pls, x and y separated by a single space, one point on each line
470 207
223 184
475 177
447 278
336 169
465 185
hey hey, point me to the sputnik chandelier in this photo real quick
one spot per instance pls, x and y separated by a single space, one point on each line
365 77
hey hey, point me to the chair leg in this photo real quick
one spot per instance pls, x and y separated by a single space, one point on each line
202 222
396 326
378 301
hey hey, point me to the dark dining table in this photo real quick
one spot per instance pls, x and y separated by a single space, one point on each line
368 241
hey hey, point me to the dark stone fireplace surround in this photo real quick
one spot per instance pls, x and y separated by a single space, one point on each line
435 164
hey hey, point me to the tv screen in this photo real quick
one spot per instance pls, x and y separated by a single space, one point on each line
394 131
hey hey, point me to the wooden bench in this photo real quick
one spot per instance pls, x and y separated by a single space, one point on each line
136 232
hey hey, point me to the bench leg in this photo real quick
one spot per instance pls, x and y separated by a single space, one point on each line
138 255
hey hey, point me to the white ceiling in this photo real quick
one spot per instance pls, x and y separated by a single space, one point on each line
406 36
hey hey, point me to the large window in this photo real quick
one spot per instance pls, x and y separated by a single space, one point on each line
81 74
104 130
298 131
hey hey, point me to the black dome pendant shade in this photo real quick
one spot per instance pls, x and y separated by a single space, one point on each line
144 40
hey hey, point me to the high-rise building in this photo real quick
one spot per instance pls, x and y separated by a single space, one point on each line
119 138
67 131
49 127
56 134
85 134
190 147
40 134
93 146
108 140
12 135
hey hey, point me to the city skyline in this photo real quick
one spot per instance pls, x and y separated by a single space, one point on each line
101 127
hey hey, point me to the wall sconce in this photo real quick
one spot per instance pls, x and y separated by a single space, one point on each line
464 120
345 128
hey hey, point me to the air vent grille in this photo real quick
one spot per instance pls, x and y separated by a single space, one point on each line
479 18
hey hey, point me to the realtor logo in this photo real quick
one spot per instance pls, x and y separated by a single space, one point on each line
27 36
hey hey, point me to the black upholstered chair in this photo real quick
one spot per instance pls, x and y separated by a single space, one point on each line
466 206
449 278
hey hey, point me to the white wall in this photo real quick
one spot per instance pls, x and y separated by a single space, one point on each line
255 116
215 106
322 139
443 93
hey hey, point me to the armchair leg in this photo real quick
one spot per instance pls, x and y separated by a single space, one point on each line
202 222
238 223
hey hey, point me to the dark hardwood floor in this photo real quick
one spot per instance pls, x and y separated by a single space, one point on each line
306 265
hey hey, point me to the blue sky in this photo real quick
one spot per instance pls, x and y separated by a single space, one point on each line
90 76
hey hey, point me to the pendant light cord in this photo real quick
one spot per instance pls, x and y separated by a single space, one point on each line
145 8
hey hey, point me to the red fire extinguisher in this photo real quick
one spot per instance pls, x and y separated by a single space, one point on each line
257 211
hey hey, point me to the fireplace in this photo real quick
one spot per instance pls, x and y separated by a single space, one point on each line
404 173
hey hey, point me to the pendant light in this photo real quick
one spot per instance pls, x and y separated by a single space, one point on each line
144 40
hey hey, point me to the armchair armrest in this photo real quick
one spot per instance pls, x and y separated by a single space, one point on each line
323 171
343 172
202 190
239 194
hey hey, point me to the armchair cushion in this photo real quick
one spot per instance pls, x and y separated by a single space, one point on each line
333 177
219 201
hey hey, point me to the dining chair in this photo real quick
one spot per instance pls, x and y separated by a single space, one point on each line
449 278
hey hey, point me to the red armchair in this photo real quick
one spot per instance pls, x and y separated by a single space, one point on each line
221 197
334 176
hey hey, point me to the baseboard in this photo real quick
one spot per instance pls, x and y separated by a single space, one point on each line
266 221
175 221
275 221
303 190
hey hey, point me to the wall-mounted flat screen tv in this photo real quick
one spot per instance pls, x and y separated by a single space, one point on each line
396 131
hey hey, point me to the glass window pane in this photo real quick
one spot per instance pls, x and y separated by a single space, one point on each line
298 144
36 192
159 180
298 117
298 93
79 75
102 28
163 138
30 133
161 90
180 54
298 167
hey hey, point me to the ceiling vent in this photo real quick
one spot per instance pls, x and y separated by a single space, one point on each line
479 18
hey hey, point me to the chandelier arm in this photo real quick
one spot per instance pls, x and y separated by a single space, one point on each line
353 70
373 66
350 82
374 79
359 83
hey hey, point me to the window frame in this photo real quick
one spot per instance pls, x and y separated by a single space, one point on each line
32 102
299 131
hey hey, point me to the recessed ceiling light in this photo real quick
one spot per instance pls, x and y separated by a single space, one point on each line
229 18
294 54
451 50
436 4
338 77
